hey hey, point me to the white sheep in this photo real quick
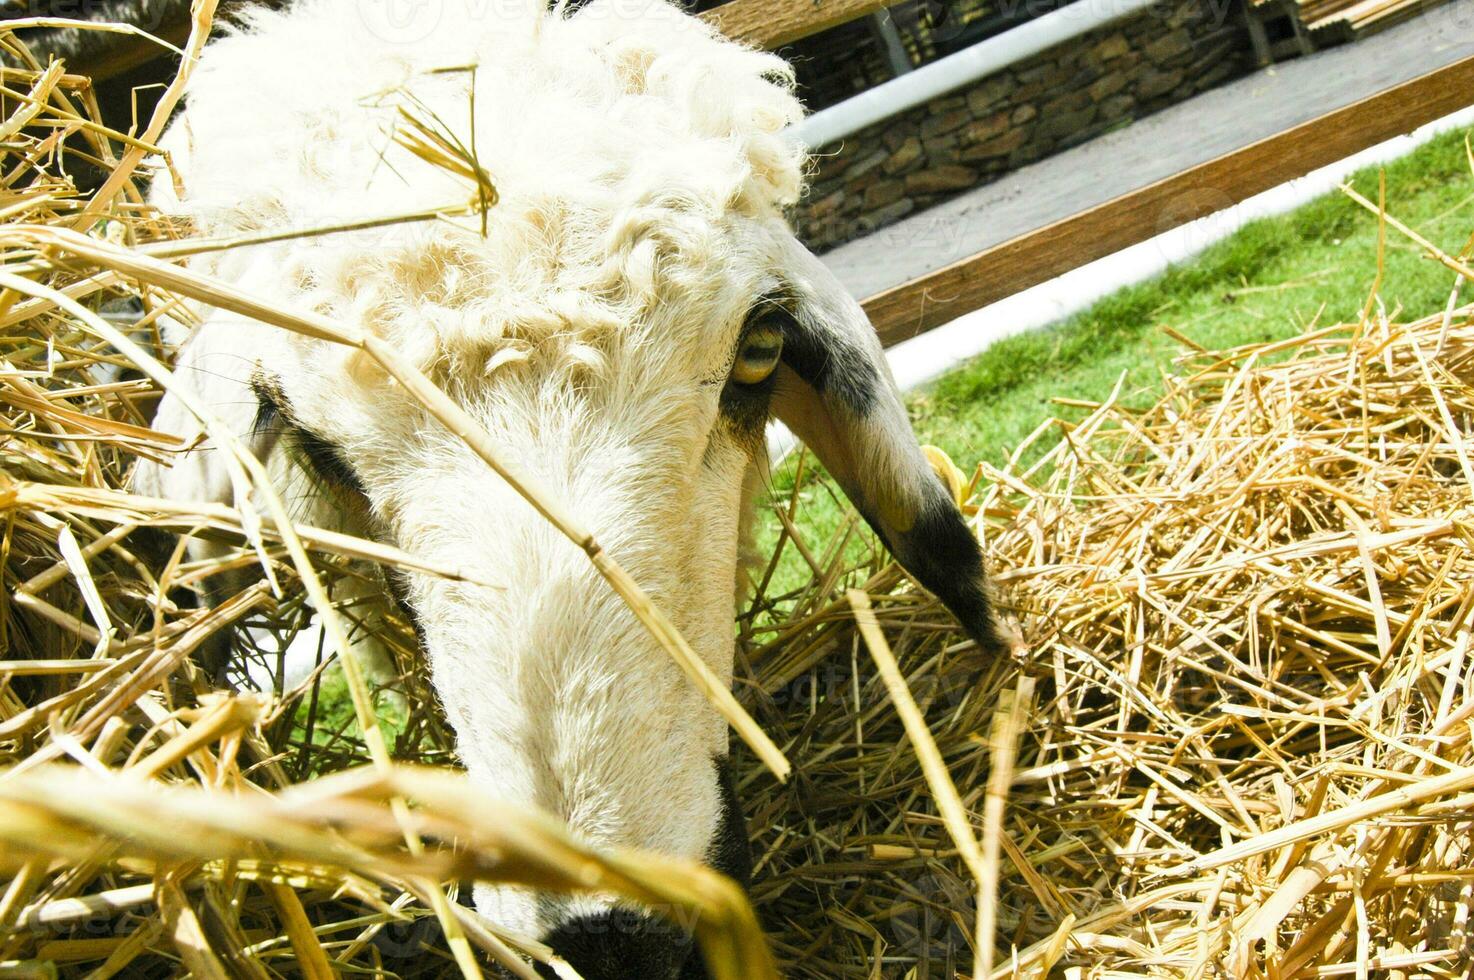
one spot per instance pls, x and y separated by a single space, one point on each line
634 314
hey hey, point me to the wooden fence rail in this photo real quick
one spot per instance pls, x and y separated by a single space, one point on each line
765 23
1037 256
773 23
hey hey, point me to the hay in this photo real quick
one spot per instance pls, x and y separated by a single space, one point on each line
1248 608
1239 745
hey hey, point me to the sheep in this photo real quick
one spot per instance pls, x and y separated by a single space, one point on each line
633 313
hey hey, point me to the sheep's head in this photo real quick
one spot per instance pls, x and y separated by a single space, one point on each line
634 315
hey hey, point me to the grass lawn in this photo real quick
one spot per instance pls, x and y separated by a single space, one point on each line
1315 265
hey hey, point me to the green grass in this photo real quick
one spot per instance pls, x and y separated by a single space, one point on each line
1273 278
333 719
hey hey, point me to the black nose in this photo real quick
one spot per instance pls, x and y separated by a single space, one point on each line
622 944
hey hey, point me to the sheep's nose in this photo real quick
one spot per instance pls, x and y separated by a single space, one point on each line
622 944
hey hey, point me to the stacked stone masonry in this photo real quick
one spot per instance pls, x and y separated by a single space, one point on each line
1063 97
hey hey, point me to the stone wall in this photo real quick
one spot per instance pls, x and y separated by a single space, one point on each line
1065 96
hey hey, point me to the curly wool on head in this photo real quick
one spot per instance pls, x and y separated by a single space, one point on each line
620 151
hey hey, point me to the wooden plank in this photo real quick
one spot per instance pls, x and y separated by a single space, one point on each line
1037 256
765 23
773 23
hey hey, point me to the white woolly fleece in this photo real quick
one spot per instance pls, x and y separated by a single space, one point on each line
642 169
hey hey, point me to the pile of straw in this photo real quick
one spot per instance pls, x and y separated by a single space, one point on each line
1239 743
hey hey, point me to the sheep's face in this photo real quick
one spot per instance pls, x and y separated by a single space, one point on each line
633 314
650 432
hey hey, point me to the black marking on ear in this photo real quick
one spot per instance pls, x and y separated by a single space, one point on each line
941 552
838 370
833 366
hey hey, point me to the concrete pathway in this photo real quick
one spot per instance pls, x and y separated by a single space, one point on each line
1191 132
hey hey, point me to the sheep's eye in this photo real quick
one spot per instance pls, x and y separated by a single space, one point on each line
758 356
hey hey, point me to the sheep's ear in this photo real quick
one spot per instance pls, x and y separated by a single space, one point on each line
834 390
